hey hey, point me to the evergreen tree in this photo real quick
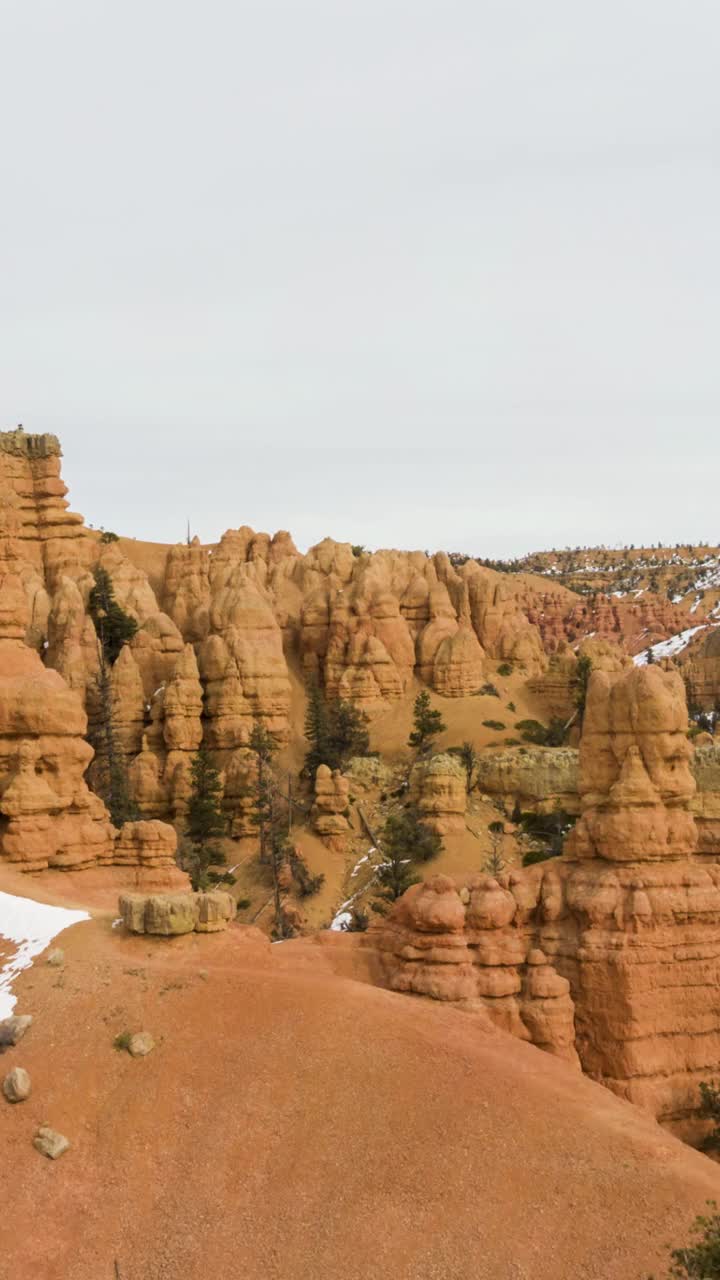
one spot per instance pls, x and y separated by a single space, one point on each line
273 824
316 729
427 723
582 679
406 839
263 744
348 733
336 731
109 766
205 821
114 628
113 625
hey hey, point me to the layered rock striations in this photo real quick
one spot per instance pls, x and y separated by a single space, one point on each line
627 921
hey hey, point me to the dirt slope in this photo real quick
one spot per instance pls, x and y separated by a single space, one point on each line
292 1124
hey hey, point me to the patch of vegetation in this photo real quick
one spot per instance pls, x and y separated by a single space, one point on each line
505 669
541 735
582 679
405 839
243 904
699 1260
113 625
548 829
494 724
114 628
495 862
427 723
511 706
307 883
710 1107
122 1041
107 535
489 691
469 758
336 730
358 549
205 823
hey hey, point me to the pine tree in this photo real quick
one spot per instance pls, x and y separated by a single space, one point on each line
263 744
348 733
583 672
205 821
316 729
428 723
114 628
406 839
336 731
110 768
113 625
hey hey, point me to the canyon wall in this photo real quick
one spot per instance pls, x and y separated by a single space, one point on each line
609 955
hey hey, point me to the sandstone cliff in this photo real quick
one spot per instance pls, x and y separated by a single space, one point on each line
611 952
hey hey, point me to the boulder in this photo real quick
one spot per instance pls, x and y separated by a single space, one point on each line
16 1085
50 1143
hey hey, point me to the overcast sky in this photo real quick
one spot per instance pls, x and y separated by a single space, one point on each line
429 273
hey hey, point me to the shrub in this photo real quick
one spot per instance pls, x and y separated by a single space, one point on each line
489 691
511 706
505 669
107 535
710 1106
122 1041
538 855
358 549
243 904
494 724
541 735
700 1260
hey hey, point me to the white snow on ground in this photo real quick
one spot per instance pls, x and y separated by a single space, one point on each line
32 926
668 648
343 916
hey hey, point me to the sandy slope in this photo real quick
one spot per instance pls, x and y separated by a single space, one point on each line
293 1123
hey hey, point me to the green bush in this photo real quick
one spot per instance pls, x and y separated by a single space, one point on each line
243 904
489 691
541 735
494 724
122 1041
710 1106
700 1260
108 536
505 669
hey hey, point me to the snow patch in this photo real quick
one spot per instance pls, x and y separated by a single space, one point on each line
668 648
32 926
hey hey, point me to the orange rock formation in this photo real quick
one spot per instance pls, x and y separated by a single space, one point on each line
627 920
